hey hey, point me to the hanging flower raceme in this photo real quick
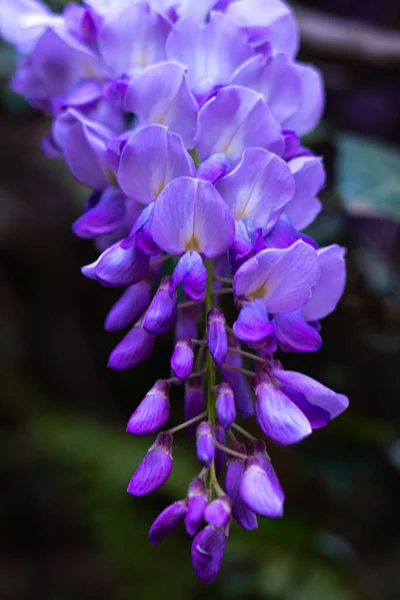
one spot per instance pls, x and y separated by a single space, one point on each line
184 119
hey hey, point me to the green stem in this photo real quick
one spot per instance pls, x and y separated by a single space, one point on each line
210 366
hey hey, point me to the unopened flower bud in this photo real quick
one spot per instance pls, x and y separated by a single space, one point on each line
182 358
218 512
217 337
153 412
205 444
226 411
154 469
161 314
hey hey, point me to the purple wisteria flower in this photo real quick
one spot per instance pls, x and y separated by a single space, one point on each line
183 118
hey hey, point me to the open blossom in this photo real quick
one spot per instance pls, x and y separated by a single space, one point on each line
184 118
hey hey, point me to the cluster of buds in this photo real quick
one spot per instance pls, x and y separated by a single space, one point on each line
184 119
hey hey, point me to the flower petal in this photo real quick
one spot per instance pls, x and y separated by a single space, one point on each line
294 334
153 412
316 393
190 215
234 120
260 185
278 417
260 489
282 277
329 289
136 346
253 324
211 52
130 307
155 468
167 521
160 94
207 553
152 157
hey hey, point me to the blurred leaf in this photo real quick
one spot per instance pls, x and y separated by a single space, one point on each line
368 176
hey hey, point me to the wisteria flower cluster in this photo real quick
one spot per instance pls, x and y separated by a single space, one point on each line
184 118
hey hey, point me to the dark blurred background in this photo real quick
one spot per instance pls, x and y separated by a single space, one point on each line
68 528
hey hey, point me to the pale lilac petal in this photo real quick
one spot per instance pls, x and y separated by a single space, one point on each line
316 393
154 469
160 94
316 416
294 334
309 177
207 553
133 38
282 277
282 235
118 267
84 145
136 346
104 217
328 291
129 308
152 413
242 247
22 22
152 157
260 185
253 324
211 52
260 489
167 521
191 272
234 120
273 17
190 215
194 8
312 98
278 417
277 79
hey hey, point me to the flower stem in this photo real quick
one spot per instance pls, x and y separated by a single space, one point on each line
247 354
239 370
187 423
210 366
231 452
243 432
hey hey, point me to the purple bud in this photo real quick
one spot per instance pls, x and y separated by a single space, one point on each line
129 308
261 490
205 444
226 411
218 512
217 338
136 346
193 401
154 469
219 458
197 503
160 315
182 358
153 412
207 553
167 521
